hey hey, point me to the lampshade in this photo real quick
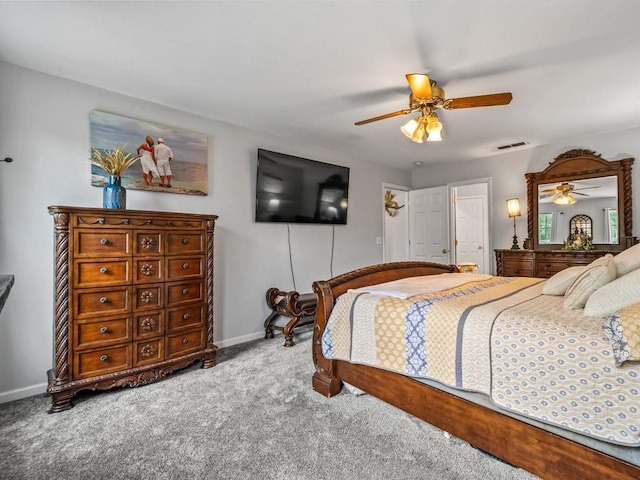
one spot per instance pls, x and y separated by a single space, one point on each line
415 129
564 200
409 127
513 207
434 128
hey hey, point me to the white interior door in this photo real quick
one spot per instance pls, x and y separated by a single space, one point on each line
469 223
429 225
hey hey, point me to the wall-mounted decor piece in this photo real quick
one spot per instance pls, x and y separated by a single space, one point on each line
391 206
171 159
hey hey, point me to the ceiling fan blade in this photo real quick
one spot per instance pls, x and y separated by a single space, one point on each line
382 117
479 101
420 85
547 195
578 193
586 188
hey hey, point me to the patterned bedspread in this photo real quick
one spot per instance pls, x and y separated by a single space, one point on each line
503 338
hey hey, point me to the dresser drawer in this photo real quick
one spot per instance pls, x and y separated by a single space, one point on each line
524 270
185 317
102 361
185 242
182 268
148 243
148 324
184 292
185 342
102 242
101 332
546 269
148 270
102 273
148 351
102 301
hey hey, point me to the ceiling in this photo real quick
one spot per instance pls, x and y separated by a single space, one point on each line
308 70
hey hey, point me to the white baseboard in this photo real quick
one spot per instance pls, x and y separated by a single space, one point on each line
236 340
39 389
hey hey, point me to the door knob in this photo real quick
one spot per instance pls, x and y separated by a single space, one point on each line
445 250
479 247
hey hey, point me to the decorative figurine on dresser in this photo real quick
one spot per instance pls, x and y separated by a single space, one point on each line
578 209
133 298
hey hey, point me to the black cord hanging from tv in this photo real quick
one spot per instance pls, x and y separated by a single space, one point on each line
293 277
333 242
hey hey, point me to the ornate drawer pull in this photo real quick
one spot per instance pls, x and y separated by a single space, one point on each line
146 269
186 316
104 270
185 265
104 330
185 241
148 323
104 358
146 242
104 299
148 351
104 241
185 291
146 296
185 340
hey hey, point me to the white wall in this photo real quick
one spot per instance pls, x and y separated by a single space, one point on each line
44 127
507 173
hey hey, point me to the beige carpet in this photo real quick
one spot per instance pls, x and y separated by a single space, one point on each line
253 416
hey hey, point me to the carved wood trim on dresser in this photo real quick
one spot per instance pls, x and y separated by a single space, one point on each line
133 298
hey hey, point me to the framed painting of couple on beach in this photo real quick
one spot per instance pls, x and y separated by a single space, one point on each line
171 159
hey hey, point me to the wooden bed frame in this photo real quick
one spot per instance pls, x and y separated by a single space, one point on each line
531 448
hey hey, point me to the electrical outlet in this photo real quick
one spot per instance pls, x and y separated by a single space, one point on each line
378 240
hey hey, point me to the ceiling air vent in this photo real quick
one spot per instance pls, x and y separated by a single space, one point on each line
512 145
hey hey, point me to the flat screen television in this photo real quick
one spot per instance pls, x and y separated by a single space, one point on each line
298 190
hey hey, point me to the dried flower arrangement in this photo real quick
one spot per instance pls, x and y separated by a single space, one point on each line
113 162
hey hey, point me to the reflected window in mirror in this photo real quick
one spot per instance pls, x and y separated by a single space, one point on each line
611 221
545 227
581 225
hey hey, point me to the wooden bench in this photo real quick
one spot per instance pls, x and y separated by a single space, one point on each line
301 308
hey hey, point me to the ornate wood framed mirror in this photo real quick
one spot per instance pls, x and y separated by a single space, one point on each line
580 182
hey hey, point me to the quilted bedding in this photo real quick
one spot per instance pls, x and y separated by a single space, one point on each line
501 337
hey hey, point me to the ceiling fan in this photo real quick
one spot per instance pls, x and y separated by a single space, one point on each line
563 193
425 97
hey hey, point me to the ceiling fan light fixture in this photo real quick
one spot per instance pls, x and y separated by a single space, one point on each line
434 128
410 127
564 200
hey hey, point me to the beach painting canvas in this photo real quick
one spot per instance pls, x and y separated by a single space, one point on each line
186 172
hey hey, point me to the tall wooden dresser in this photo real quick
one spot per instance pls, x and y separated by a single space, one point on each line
133 298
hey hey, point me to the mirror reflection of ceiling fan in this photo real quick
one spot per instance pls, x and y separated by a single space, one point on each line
563 193
425 97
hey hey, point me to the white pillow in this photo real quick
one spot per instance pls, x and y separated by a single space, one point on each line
598 273
628 260
558 284
614 296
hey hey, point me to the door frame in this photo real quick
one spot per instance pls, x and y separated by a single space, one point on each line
452 219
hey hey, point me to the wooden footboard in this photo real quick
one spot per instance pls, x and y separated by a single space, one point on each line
328 291
518 443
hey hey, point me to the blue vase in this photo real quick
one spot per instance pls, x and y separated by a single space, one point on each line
114 195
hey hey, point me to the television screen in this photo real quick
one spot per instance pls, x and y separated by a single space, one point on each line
298 190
